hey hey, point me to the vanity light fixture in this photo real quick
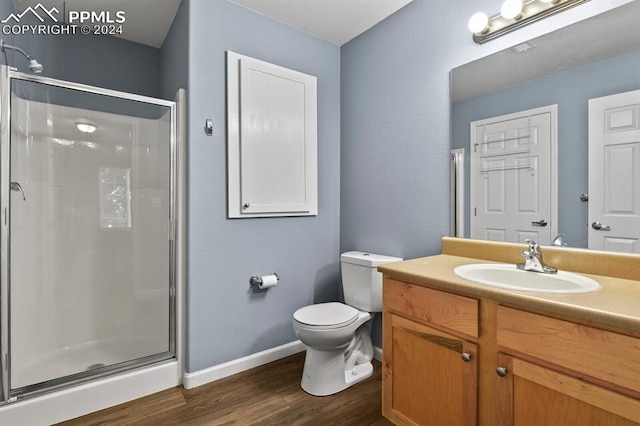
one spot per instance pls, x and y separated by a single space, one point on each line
86 127
515 14
512 9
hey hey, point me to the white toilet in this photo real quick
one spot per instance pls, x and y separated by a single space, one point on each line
338 335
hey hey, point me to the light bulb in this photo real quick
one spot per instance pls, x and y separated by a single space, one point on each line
511 9
86 127
479 23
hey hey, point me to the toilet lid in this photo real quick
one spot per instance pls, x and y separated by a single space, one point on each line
326 314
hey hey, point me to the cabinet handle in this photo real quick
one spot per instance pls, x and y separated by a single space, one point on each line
466 356
502 371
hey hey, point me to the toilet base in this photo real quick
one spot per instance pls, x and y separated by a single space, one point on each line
325 373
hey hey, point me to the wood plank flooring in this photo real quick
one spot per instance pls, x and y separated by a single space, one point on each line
266 395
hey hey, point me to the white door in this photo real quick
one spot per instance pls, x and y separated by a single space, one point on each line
513 176
614 173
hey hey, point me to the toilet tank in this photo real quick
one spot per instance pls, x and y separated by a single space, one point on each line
361 281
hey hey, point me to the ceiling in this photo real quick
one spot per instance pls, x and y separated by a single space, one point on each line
148 21
336 21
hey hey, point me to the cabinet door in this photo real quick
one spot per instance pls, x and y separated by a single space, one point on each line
531 394
425 379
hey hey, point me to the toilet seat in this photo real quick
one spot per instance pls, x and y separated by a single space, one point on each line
326 315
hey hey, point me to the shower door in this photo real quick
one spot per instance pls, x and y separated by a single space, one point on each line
88 181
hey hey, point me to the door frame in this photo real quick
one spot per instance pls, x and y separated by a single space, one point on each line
553 158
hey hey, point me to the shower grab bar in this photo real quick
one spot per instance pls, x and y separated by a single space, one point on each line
15 186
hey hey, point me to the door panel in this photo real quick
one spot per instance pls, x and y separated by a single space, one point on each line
428 383
90 249
513 176
614 172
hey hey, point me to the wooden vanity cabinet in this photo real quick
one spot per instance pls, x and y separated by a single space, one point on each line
557 372
552 371
533 394
430 356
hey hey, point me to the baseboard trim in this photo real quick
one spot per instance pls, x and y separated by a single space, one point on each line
220 371
377 353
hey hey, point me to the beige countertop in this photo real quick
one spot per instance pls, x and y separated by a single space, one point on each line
616 304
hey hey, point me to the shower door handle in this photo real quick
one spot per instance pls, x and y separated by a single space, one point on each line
15 186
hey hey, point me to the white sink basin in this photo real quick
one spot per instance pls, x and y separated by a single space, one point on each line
510 278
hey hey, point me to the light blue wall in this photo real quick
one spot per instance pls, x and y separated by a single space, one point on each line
395 132
102 61
7 8
225 318
395 136
174 55
98 60
571 91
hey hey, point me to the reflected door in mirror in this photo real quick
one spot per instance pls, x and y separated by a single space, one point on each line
512 176
614 172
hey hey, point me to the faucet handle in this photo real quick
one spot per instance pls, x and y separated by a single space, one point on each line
533 247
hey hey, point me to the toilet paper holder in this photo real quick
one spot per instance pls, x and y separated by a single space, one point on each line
256 279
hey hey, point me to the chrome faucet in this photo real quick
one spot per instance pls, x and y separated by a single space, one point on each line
559 241
533 260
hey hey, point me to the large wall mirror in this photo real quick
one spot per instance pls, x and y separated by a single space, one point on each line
536 121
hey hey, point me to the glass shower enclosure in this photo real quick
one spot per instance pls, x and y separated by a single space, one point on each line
87 233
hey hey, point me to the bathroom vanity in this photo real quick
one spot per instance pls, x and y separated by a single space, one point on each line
456 352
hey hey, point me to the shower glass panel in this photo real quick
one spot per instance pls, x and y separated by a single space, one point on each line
90 233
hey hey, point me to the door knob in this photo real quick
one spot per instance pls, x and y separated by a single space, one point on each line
502 371
466 356
600 227
542 222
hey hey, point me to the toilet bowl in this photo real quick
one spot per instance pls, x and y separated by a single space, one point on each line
338 335
336 358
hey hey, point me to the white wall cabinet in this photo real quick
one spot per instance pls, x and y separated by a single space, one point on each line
272 139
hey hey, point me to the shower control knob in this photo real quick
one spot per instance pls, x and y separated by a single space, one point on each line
466 356
502 371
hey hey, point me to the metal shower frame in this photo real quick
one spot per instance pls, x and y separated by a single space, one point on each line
7 394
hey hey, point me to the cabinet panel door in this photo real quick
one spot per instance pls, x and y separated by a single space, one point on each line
450 311
272 140
572 346
426 381
534 395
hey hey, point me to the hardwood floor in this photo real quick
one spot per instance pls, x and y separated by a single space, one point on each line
267 395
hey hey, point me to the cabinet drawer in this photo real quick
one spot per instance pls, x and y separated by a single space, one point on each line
601 354
457 313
